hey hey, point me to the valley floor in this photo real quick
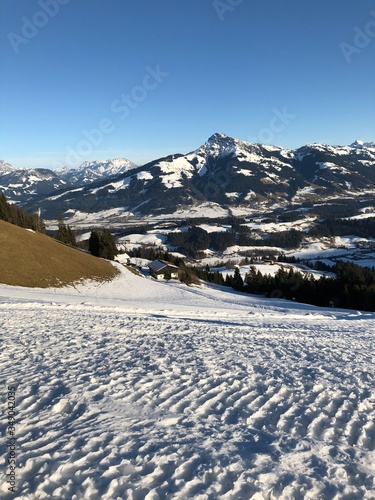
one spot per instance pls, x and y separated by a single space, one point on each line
145 390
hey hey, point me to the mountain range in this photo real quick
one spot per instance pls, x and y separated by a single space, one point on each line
236 175
24 185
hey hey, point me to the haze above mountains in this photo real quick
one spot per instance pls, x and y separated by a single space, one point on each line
228 172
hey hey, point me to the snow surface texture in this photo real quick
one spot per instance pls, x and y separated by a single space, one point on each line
143 390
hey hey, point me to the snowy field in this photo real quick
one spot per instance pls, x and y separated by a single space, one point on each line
145 390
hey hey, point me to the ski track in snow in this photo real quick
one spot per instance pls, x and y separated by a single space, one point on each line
125 404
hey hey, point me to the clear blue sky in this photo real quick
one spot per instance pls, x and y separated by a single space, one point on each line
155 77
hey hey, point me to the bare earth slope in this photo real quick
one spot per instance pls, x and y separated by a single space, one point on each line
33 259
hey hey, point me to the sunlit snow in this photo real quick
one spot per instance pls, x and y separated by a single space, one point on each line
137 389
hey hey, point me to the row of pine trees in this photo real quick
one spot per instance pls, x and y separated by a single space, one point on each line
9 212
352 288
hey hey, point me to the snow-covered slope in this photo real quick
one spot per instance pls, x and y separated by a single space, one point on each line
234 174
137 389
22 185
91 171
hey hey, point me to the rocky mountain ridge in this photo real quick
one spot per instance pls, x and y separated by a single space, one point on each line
226 172
24 185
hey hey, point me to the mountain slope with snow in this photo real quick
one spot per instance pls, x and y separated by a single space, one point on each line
91 171
25 185
139 389
232 174
5 168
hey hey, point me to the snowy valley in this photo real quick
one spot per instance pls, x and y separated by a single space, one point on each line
120 386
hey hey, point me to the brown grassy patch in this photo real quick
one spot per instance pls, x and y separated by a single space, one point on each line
133 270
35 260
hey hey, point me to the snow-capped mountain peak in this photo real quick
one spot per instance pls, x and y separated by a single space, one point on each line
91 171
5 168
221 145
218 138
226 171
111 166
361 144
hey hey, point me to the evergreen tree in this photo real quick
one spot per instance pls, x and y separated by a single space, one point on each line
102 244
14 215
237 280
65 233
108 249
38 223
94 243
255 281
4 212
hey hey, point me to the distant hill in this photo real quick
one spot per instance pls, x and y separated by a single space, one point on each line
32 259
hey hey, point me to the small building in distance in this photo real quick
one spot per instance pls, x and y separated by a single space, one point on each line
161 270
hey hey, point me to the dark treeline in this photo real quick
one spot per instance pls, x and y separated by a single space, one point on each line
352 288
283 239
206 275
153 253
190 241
196 239
365 228
142 229
342 208
19 217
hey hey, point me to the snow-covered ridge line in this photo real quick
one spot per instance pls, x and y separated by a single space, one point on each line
261 174
21 185
90 171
